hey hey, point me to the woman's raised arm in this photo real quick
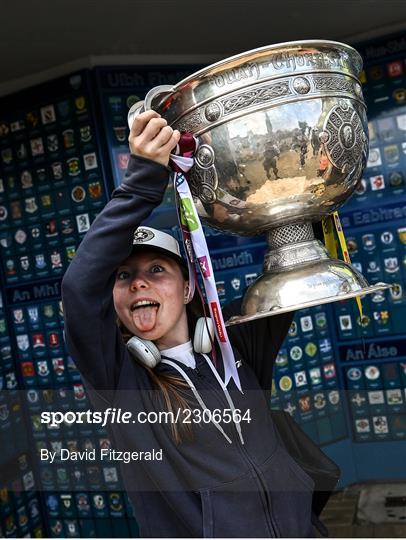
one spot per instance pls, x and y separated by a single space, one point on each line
91 333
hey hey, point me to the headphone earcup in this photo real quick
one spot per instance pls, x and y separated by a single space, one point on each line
145 351
204 335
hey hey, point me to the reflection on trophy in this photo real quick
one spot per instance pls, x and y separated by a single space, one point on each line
282 134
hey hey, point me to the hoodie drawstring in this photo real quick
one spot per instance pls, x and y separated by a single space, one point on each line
196 394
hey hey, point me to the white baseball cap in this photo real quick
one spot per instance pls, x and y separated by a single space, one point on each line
149 238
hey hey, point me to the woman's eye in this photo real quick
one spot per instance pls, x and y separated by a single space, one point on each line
157 268
123 275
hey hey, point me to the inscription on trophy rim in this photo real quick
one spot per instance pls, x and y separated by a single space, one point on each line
289 61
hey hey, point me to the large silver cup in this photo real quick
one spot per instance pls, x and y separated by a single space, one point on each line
282 134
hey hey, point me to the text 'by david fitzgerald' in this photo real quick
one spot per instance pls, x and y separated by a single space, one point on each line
103 454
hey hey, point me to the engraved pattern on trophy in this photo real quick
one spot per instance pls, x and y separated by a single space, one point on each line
255 96
190 122
207 194
277 259
343 136
292 255
335 83
205 156
203 181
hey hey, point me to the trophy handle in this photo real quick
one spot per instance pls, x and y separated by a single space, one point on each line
150 102
154 97
135 109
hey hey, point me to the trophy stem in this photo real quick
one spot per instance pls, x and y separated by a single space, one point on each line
291 245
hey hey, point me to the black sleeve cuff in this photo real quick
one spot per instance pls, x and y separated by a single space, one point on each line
144 177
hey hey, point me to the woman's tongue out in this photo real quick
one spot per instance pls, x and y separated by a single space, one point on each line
145 317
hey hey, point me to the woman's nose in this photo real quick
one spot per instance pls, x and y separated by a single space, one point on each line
138 282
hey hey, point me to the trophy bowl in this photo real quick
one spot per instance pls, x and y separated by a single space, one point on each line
283 140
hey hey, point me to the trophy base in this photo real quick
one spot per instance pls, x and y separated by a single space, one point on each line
302 286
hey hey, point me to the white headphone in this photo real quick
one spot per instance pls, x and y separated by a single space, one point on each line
148 353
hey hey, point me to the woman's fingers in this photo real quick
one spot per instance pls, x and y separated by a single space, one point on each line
152 138
170 145
140 122
163 136
160 153
152 129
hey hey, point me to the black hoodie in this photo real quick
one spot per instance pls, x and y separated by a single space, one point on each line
207 486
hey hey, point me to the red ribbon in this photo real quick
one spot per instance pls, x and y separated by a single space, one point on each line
186 148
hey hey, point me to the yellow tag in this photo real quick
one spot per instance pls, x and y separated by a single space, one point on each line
346 256
329 239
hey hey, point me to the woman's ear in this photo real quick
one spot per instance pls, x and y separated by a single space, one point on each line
186 293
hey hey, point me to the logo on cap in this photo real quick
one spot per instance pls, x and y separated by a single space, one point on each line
142 235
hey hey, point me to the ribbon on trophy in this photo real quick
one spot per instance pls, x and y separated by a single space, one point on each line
194 242
331 223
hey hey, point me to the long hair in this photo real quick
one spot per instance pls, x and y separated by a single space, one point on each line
171 387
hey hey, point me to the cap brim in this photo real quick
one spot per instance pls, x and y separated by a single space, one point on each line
180 260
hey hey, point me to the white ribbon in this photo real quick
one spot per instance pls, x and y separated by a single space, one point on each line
195 245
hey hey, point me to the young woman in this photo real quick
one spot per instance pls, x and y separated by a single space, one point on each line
217 477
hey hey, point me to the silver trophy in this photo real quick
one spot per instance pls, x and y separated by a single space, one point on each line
282 134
